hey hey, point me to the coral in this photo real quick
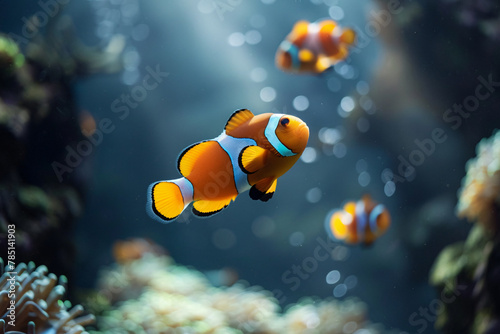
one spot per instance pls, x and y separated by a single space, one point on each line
38 305
479 197
11 58
468 274
133 249
152 294
327 317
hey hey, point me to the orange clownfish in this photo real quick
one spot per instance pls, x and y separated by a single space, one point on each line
250 154
314 47
358 222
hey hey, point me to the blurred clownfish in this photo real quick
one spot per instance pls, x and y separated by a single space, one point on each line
251 153
358 222
314 47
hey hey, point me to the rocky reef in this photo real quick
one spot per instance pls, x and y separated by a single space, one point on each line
467 274
152 294
41 183
31 302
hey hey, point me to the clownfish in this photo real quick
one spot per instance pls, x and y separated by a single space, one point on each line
314 47
358 222
250 154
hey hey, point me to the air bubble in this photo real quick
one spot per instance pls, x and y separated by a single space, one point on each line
296 239
309 155
267 94
300 103
333 277
236 39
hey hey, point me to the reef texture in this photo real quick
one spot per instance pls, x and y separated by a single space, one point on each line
38 305
153 295
468 274
39 120
479 199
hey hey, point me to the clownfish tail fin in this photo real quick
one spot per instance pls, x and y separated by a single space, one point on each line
348 36
167 199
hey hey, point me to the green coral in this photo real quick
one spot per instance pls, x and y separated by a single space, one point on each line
10 55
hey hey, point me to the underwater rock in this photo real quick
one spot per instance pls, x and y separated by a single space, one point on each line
38 305
41 189
152 294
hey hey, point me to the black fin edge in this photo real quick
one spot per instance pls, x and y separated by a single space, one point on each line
207 214
256 194
153 208
240 163
267 197
234 114
179 158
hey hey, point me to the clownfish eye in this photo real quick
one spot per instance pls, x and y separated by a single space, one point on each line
285 121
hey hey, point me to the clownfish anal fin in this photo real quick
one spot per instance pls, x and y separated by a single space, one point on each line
270 192
322 64
252 158
191 154
205 208
264 189
237 118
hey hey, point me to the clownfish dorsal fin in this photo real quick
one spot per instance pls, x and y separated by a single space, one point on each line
191 154
299 32
264 189
252 158
238 118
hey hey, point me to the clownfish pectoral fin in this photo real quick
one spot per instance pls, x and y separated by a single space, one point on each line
188 157
264 189
205 208
237 118
306 56
252 158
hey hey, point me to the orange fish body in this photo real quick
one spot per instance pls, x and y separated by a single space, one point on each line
250 154
314 47
358 222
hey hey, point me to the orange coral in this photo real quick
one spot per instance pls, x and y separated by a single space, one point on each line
134 249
